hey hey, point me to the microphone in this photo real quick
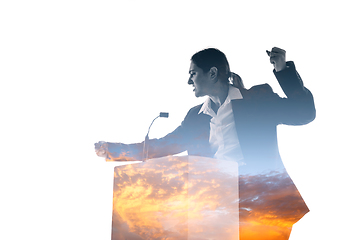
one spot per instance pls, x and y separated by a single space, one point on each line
145 150
164 114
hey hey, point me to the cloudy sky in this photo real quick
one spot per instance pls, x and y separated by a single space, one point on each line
77 72
177 197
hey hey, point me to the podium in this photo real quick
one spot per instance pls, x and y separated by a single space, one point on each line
176 197
190 197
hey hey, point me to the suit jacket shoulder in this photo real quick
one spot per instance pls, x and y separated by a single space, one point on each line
195 110
194 121
259 92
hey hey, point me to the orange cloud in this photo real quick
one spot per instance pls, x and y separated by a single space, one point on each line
160 199
177 197
269 205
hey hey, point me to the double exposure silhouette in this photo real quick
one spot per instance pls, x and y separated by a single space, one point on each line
234 125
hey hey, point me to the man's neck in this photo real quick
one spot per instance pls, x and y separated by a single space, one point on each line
219 96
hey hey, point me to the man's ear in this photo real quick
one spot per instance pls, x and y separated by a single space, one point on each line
213 73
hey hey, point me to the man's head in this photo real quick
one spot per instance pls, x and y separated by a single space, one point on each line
209 68
213 58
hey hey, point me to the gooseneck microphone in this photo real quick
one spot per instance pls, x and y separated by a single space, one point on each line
145 148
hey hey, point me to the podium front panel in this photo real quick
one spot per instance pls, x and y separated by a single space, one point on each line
183 197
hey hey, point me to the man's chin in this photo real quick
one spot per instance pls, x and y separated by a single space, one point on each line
198 94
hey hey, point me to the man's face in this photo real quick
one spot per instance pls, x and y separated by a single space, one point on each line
199 80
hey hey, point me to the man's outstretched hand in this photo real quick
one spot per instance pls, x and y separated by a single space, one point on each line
277 58
101 149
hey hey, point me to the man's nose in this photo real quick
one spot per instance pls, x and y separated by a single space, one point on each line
190 81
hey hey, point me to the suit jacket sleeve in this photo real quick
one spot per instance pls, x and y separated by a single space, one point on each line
183 138
298 108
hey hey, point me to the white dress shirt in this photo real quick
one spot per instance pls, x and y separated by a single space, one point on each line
223 136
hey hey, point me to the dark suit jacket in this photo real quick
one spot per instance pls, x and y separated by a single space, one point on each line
256 117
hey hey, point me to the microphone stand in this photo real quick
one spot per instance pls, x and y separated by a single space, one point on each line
146 148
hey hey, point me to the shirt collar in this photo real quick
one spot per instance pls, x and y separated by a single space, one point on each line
234 93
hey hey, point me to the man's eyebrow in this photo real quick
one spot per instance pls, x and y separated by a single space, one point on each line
191 70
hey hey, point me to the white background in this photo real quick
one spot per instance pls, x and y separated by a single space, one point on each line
76 72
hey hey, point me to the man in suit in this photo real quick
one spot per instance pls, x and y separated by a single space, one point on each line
236 124
233 123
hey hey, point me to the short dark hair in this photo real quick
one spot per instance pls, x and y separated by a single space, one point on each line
212 57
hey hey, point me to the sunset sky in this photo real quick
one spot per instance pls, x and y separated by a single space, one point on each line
77 72
181 197
176 197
